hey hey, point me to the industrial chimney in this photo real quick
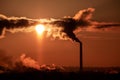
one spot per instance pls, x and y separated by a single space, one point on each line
81 57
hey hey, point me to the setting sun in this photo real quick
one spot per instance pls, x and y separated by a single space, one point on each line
40 28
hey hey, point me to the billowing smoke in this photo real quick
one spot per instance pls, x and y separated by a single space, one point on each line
63 28
29 62
25 64
68 25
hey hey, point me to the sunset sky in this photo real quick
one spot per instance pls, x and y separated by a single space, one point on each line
100 48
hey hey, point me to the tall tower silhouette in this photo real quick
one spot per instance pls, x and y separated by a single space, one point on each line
81 56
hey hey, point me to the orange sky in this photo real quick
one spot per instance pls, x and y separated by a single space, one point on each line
99 48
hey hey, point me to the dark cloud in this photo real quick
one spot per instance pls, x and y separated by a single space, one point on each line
63 28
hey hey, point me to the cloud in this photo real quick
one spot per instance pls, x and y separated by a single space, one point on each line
63 28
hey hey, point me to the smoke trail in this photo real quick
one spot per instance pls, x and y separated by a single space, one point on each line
63 28
108 25
14 24
68 26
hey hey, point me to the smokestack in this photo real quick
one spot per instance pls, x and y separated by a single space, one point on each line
81 57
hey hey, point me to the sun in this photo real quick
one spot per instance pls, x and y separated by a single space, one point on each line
40 28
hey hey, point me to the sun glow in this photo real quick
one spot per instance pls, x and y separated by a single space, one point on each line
40 28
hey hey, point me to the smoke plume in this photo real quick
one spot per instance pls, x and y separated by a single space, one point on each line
24 64
63 28
29 62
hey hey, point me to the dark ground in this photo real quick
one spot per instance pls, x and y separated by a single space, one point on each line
58 75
